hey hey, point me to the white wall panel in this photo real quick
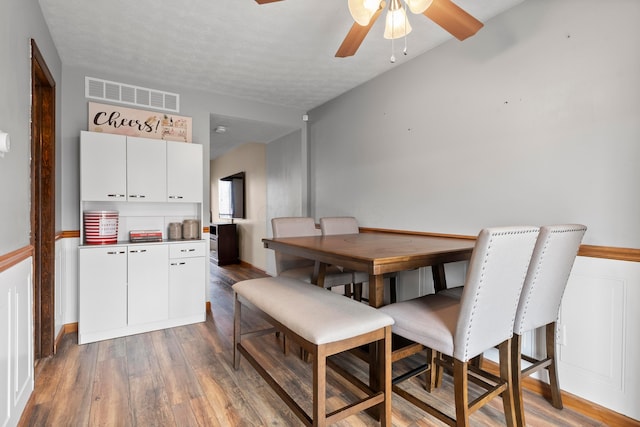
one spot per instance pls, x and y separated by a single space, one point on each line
16 341
601 346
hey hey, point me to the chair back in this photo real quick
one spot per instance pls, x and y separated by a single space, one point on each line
292 227
551 264
339 225
492 289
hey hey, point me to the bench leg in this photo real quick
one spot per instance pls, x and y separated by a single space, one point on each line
319 387
384 383
237 310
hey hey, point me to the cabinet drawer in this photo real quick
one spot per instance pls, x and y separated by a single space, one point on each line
187 250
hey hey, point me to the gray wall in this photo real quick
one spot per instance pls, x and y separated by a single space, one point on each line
536 119
20 21
286 183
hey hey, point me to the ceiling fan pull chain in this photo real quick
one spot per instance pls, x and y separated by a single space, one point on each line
406 25
393 27
393 56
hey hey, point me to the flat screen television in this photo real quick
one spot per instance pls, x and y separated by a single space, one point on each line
231 196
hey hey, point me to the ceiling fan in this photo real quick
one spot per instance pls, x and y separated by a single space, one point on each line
365 13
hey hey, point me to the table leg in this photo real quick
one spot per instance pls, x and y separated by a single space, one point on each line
376 290
319 272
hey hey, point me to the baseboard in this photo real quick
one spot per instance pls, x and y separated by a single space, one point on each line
578 404
66 329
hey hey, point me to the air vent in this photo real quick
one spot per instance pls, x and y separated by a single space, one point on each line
121 93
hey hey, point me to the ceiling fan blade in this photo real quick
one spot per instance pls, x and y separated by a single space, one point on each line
356 35
453 19
266 1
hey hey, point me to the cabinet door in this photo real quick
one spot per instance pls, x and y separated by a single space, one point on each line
186 287
103 289
146 170
148 283
103 166
184 172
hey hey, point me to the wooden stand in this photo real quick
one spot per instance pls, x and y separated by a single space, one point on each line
224 244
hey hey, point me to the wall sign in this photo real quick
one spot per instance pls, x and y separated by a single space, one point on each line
147 124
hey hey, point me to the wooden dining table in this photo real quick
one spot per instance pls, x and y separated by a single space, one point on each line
377 253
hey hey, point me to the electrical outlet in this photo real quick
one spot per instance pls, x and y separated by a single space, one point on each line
562 334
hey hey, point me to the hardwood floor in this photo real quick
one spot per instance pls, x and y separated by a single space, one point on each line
184 377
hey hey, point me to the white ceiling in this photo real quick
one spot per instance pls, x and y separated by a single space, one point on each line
280 53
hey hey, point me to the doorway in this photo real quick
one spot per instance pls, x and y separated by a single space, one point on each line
43 159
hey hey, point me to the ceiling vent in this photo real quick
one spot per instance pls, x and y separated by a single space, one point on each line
121 93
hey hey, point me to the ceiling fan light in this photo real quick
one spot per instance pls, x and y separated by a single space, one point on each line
418 6
362 10
396 25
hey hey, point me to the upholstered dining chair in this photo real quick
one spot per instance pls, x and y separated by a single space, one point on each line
349 225
481 319
302 268
551 264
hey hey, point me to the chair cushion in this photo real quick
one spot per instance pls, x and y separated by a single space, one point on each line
317 315
429 320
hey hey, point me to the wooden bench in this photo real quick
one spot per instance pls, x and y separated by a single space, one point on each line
323 323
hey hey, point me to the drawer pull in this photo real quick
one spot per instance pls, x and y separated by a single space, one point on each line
187 250
178 263
115 252
137 196
115 195
176 197
135 251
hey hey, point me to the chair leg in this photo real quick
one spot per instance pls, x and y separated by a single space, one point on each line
236 332
516 369
393 294
435 373
556 396
506 374
357 291
347 290
460 390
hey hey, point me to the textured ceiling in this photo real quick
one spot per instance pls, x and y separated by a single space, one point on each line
280 53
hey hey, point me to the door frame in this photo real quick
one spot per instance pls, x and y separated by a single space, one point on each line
43 159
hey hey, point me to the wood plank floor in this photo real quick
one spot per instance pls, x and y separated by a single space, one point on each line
184 377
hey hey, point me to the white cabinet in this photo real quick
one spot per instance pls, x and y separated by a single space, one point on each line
187 280
103 167
103 291
129 288
146 170
184 172
148 296
120 168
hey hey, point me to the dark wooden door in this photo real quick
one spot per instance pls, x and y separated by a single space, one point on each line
43 161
